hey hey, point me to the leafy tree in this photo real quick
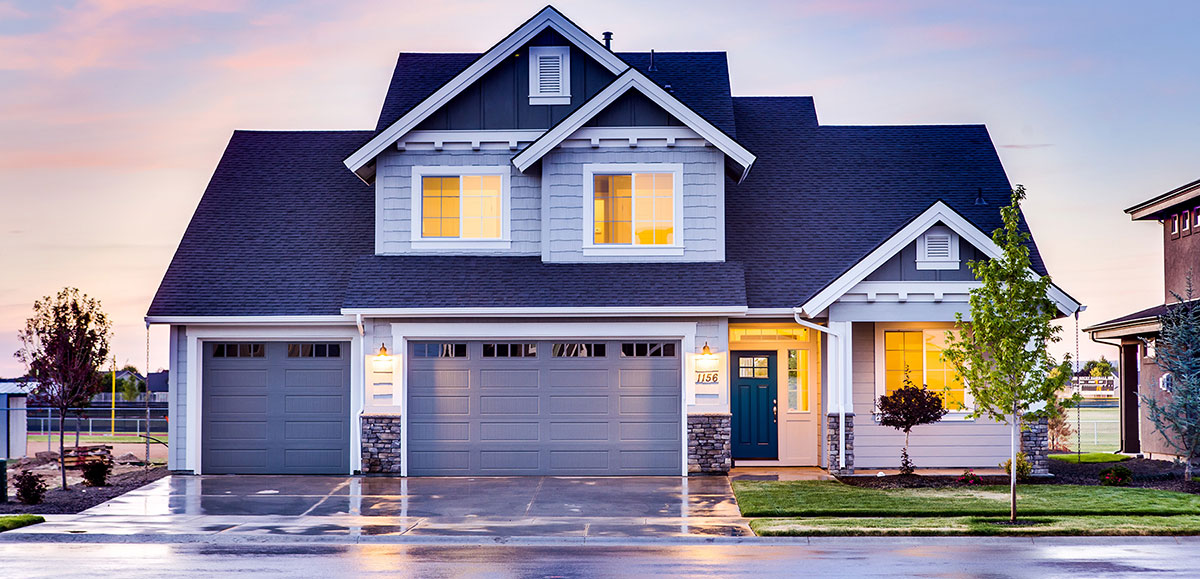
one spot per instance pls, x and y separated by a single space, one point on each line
130 388
1002 354
1177 352
63 347
1099 368
908 407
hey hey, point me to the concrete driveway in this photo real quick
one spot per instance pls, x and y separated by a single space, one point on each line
349 507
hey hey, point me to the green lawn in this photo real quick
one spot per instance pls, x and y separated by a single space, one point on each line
1090 457
96 439
986 526
10 522
834 499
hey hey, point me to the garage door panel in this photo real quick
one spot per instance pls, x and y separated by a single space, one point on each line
543 414
518 405
509 431
508 379
579 378
439 379
439 405
579 431
264 412
435 431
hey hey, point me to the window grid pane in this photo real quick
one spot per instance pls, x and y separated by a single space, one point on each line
634 209
797 386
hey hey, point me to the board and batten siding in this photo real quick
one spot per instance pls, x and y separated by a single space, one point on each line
903 266
703 201
980 443
393 200
177 400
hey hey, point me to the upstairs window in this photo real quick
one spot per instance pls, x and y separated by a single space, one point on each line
460 206
549 75
937 248
1175 224
1185 220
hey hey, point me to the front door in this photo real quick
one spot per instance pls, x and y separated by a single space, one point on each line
754 405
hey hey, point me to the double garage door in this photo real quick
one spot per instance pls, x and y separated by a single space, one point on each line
276 408
544 407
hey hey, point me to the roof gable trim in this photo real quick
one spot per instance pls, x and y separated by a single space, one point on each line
629 80
547 18
939 212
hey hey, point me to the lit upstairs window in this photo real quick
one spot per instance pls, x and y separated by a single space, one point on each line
549 75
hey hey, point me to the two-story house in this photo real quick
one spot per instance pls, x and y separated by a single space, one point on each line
554 258
1178 213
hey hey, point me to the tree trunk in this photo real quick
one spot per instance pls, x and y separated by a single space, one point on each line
1012 466
62 459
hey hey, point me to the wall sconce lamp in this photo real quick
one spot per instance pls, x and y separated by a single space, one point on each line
383 353
383 361
707 366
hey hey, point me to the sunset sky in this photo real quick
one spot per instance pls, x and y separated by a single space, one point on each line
113 113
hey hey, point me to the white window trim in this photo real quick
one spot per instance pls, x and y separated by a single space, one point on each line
416 187
881 366
563 96
590 171
924 262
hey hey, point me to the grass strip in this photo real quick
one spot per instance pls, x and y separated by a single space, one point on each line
978 526
10 522
1089 457
834 499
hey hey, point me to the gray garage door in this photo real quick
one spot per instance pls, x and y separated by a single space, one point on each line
544 407
276 408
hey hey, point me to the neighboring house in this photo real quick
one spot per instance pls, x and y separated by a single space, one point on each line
553 258
1093 387
13 398
1178 213
157 386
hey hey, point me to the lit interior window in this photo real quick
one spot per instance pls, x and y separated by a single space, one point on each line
465 207
797 385
637 209
920 354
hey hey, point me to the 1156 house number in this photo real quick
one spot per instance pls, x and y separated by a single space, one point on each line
707 377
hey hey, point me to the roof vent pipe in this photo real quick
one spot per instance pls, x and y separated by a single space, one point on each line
607 40
652 68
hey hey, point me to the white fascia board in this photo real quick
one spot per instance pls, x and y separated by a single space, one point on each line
547 18
632 79
251 320
938 212
545 312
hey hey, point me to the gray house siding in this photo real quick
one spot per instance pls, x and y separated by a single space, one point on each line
393 191
177 399
979 443
703 201
500 99
633 109
903 266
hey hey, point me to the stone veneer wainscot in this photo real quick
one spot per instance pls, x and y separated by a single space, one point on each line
833 442
709 450
381 450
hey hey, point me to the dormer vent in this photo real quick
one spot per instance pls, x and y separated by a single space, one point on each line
549 75
937 248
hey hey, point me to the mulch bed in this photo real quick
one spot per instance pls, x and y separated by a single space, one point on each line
1154 474
80 497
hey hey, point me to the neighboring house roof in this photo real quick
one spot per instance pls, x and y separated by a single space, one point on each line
13 387
1161 206
278 229
821 198
158 381
1141 322
427 282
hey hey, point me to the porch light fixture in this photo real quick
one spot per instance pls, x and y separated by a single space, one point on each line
706 351
383 353
383 361
707 366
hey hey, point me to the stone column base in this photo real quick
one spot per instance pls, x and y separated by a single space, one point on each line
709 450
381 451
1035 443
833 441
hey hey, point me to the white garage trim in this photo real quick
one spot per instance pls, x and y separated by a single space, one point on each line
685 332
195 358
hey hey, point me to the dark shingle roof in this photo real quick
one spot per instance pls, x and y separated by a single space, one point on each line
699 80
819 199
468 281
276 232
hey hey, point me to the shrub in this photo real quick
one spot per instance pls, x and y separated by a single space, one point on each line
968 477
906 408
30 487
95 472
1116 476
1024 469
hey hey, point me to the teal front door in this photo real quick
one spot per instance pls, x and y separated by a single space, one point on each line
754 406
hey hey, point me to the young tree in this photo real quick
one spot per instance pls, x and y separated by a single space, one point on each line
1002 353
63 347
1099 368
1177 352
908 407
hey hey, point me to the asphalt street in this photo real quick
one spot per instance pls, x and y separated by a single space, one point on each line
993 558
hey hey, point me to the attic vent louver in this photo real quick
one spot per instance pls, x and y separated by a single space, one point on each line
549 75
937 248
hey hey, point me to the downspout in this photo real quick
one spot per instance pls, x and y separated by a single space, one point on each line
841 387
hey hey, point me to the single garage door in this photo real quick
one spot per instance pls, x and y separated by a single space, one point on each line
276 408
544 407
